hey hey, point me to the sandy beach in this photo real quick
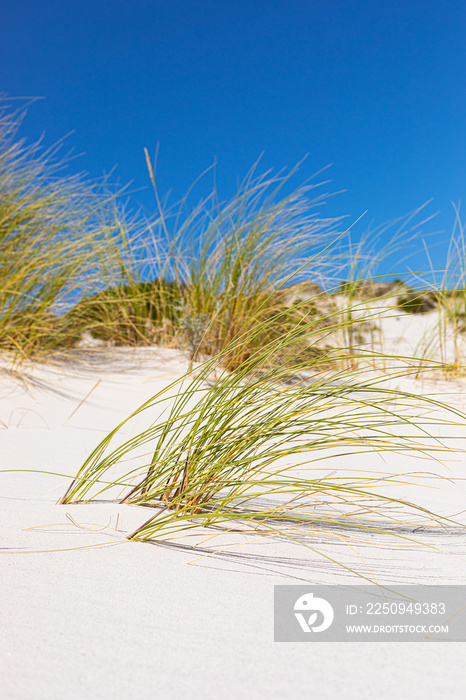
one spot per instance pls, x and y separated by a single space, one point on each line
88 614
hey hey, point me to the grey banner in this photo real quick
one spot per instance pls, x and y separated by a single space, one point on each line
370 613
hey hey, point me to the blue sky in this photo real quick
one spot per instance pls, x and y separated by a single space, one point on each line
376 88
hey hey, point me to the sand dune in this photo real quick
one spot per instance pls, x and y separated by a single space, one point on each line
88 614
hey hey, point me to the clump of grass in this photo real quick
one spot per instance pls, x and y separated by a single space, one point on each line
452 300
213 272
362 296
133 314
221 444
232 259
54 233
417 302
444 341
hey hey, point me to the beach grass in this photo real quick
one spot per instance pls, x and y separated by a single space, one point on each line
217 269
285 368
57 237
236 450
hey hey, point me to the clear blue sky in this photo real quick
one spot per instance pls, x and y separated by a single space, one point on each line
375 87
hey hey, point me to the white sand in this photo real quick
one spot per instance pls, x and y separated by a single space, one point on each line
87 614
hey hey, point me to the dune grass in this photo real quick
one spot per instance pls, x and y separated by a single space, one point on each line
278 380
445 294
451 296
229 259
216 269
195 278
57 233
233 444
236 450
